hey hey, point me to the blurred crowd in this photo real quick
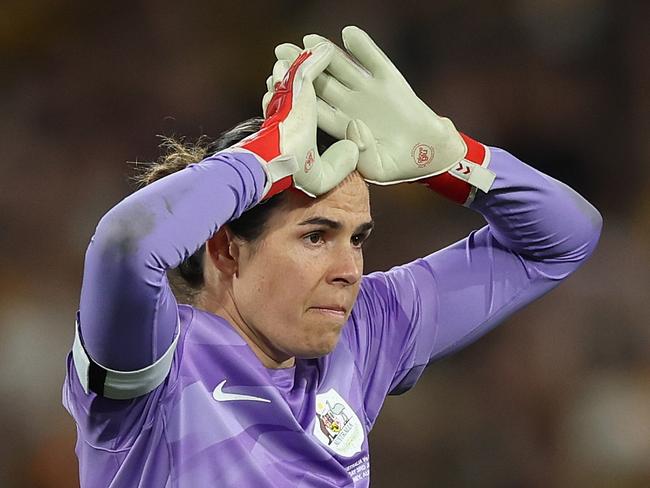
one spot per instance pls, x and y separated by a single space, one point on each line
557 396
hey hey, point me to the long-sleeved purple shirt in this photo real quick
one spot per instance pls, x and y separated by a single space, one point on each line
197 408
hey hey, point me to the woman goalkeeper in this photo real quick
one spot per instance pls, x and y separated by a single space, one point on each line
272 368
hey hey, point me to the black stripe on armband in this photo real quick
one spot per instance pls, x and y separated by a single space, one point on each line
96 377
120 385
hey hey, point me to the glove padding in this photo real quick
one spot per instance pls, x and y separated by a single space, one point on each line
367 100
287 138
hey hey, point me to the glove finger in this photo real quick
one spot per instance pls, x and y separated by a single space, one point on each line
297 83
265 101
280 69
310 40
320 175
329 89
315 64
288 51
362 47
370 162
342 66
331 120
337 162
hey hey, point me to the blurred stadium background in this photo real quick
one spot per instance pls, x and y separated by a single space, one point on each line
558 396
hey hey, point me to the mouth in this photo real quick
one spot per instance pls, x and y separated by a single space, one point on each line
331 310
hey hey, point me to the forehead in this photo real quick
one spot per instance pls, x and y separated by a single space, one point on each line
348 203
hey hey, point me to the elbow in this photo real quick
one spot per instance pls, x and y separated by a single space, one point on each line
583 228
120 233
592 232
576 249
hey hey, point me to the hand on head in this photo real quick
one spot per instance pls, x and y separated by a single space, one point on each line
287 139
363 97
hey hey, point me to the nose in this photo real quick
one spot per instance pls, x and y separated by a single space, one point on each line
346 267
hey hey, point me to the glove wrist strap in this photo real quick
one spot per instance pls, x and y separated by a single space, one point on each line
279 168
460 183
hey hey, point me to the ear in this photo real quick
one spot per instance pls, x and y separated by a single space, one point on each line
223 251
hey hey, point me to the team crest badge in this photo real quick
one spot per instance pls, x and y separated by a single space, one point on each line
336 425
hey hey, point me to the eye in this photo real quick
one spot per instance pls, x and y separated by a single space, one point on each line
314 237
358 240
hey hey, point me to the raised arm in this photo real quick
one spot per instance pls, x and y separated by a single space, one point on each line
539 231
128 315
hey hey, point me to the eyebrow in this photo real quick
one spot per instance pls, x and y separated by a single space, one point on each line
334 225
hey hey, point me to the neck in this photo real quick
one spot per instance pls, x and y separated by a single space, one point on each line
222 304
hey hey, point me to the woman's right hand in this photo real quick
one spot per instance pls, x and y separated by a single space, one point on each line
287 139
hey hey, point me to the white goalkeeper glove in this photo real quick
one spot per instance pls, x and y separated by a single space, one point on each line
287 138
400 138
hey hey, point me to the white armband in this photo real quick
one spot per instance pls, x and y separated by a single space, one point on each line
120 385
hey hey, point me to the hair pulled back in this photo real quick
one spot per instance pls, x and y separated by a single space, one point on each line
187 280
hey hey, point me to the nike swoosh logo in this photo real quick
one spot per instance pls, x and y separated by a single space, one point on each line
221 396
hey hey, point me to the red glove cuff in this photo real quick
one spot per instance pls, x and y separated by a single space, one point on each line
453 184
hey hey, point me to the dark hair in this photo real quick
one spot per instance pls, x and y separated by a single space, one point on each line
187 280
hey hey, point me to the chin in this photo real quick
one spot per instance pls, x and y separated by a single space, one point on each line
323 348
317 339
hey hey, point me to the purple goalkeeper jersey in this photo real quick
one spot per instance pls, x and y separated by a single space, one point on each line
167 395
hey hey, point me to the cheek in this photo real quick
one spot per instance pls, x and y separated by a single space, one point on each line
274 294
277 285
